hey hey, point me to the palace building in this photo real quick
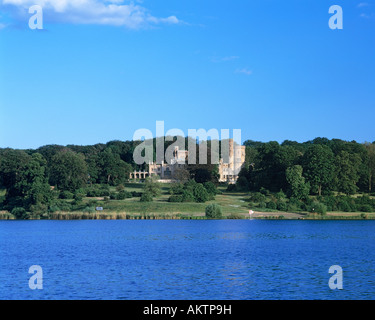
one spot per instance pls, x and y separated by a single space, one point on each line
228 170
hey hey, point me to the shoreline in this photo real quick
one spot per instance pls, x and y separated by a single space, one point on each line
257 215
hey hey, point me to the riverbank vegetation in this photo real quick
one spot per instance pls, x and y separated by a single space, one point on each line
316 179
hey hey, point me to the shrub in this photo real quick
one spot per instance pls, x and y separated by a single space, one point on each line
78 197
177 188
343 205
200 193
38 209
242 183
318 207
271 205
146 197
89 210
210 187
20 213
175 198
213 211
231 187
93 203
366 208
280 195
187 196
330 202
264 191
92 193
112 196
235 216
64 206
104 192
120 187
66 195
262 205
123 195
281 206
54 208
258 197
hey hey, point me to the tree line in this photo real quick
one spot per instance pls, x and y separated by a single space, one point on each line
34 178
319 166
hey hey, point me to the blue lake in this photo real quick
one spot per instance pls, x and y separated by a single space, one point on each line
182 259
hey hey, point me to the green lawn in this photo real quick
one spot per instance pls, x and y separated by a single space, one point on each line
232 203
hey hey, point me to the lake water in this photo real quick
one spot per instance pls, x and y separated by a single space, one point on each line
182 259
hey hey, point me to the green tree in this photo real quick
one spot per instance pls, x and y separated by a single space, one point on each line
25 179
152 186
112 169
319 166
273 161
68 170
370 147
299 189
347 174
146 197
213 211
200 193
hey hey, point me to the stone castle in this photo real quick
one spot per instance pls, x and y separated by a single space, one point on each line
228 170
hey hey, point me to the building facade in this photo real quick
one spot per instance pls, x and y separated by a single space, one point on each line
228 169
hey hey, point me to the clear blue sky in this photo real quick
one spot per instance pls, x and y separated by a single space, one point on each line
273 69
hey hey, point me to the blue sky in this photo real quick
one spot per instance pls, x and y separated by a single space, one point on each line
273 69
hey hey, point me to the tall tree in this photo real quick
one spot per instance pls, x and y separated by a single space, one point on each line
299 189
370 147
347 172
68 170
25 179
318 166
113 170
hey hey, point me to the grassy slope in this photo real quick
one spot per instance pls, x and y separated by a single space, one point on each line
231 203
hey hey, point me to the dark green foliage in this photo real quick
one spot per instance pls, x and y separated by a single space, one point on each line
319 167
213 211
366 208
235 216
177 188
146 197
68 170
264 191
66 195
123 195
200 193
298 188
175 198
152 186
318 207
20 213
281 205
242 184
187 196
210 187
233 187
258 197
89 209
347 172
271 205
272 172
25 179
192 191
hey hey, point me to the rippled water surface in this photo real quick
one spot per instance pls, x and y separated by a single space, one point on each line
181 259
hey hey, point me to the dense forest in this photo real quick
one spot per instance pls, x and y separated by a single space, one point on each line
33 179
